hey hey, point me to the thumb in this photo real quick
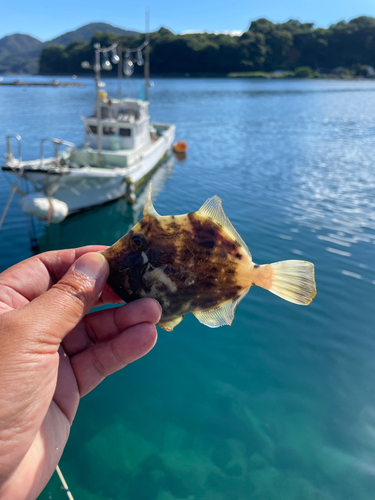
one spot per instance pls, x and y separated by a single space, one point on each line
56 312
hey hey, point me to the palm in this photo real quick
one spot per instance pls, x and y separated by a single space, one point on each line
44 392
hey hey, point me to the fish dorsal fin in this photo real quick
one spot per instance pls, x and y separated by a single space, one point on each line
169 325
213 208
149 207
222 315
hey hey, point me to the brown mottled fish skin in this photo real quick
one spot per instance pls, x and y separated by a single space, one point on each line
198 263
201 266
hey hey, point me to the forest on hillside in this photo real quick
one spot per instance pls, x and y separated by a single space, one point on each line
264 47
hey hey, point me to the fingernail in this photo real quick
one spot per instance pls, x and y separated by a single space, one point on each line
91 265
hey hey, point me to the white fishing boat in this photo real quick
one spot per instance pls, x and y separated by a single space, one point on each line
121 149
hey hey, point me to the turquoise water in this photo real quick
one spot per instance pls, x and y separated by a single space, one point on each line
280 406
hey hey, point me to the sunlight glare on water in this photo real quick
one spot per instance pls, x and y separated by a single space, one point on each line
280 406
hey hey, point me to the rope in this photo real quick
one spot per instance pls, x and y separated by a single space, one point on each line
64 483
7 205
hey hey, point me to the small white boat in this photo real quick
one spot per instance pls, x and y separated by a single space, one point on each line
121 149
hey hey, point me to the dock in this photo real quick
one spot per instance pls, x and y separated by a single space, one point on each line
54 83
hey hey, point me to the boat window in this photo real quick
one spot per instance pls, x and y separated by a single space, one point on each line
93 129
105 112
127 115
109 130
125 132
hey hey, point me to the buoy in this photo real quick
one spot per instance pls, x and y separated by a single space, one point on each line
180 147
44 208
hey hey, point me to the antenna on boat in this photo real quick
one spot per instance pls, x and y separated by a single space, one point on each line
147 54
119 70
97 82
128 68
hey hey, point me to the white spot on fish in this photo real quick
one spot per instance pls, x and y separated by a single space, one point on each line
157 277
163 278
144 257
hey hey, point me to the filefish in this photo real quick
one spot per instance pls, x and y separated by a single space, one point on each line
198 263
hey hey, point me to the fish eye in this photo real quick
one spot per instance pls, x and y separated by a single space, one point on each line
137 241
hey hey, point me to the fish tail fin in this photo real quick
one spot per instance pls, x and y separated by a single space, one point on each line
292 280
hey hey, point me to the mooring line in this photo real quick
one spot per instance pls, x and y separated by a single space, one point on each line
7 205
64 483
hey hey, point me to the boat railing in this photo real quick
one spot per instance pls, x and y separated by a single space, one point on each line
57 143
10 155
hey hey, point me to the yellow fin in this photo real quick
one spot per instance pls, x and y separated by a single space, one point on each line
149 207
294 280
222 315
213 208
169 325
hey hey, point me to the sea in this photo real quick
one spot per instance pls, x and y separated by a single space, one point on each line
281 405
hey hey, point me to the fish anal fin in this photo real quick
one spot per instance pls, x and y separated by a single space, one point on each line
149 207
213 208
222 315
169 325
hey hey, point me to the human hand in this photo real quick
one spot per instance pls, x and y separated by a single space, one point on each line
52 353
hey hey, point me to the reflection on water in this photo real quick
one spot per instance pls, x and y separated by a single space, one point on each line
113 220
280 406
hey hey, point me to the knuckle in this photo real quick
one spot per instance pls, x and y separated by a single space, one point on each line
98 365
118 361
76 293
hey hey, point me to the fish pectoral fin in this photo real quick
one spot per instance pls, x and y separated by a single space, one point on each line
222 315
149 207
213 208
169 325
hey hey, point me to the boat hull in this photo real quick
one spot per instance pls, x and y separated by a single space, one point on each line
84 187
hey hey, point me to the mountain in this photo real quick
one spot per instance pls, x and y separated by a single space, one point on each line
85 33
18 44
19 54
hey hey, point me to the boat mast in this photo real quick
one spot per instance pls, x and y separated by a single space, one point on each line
119 69
147 55
97 81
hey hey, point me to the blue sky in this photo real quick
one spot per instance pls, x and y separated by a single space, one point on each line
45 19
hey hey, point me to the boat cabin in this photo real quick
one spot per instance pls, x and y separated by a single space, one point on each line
124 124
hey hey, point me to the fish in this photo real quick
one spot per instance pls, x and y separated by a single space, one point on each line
198 263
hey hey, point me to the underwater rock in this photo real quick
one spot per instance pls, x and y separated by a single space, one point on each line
258 438
116 448
221 454
257 461
268 446
232 487
263 478
333 462
166 495
234 470
175 437
273 485
300 433
230 456
214 495
288 458
191 467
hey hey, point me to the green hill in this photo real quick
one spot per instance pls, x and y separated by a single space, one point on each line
85 33
19 53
